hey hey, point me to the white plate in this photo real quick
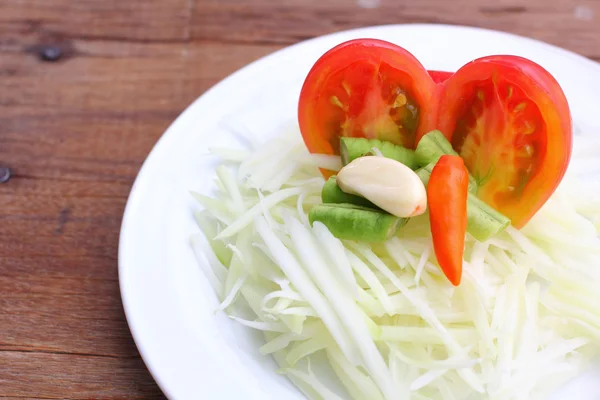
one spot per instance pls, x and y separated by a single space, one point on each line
191 352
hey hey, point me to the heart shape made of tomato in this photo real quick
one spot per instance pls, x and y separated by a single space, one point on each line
506 116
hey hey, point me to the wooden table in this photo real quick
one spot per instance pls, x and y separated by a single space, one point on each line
86 88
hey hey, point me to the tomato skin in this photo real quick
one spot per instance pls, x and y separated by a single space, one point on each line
501 128
359 64
440 76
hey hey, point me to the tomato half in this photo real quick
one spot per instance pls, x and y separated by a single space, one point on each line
365 88
510 121
506 116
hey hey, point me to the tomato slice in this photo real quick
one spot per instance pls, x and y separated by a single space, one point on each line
510 121
365 88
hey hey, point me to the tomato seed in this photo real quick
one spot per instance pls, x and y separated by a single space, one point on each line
520 107
346 87
529 128
336 102
400 101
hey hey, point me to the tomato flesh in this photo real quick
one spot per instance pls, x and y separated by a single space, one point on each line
503 124
363 101
365 88
514 136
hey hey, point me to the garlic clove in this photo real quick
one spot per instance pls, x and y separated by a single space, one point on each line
387 183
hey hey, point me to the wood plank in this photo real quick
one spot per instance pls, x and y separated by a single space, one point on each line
43 184
73 335
142 20
117 77
52 333
21 265
59 376
90 321
570 24
119 85
74 228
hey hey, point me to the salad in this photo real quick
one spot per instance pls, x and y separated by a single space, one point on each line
415 237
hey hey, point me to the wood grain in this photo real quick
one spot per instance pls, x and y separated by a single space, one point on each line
87 376
131 20
74 133
568 23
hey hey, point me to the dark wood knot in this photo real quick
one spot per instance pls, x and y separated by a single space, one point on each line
52 50
50 53
4 174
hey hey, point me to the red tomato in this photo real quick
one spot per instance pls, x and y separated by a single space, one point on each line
365 88
505 115
509 120
440 76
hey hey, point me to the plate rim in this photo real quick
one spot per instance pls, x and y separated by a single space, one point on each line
136 333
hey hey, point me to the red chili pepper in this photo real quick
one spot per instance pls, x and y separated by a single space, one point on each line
447 197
